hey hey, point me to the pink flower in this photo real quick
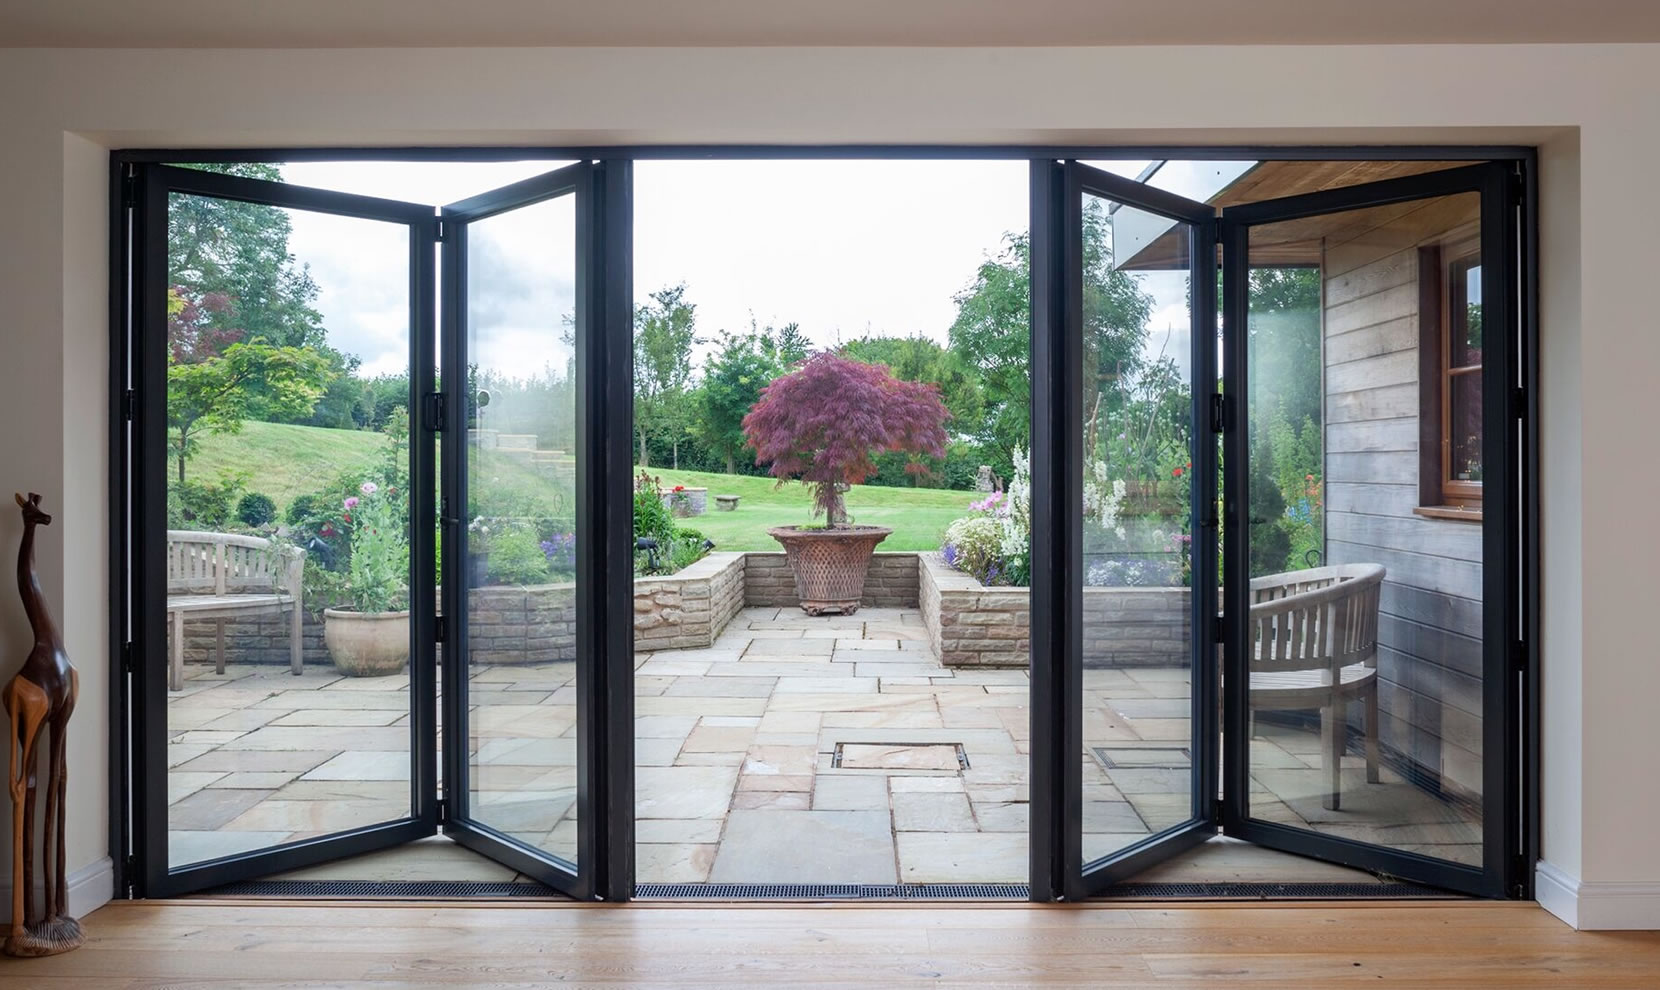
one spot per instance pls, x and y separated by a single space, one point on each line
351 503
368 488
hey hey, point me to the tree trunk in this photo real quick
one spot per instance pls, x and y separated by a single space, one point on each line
731 463
675 454
645 451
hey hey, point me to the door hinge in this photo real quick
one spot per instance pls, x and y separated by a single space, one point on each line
443 811
1518 657
129 188
129 405
1218 629
1218 412
1518 400
126 658
440 629
129 866
432 412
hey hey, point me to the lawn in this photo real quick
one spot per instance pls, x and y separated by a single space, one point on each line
285 461
918 516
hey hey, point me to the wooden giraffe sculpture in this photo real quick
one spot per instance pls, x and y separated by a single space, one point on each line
41 696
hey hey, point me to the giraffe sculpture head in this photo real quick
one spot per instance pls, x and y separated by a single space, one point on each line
32 515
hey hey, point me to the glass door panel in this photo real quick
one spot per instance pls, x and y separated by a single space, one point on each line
1140 675
284 663
525 545
521 525
1373 699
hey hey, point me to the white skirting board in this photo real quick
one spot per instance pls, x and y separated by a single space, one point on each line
1597 905
90 888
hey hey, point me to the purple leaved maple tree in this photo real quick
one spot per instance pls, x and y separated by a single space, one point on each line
825 423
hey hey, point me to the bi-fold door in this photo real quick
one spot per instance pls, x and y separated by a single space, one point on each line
272 766
1354 687
1350 690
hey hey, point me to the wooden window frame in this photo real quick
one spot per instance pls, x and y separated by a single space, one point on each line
1439 494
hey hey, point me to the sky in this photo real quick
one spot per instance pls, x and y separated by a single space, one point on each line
844 248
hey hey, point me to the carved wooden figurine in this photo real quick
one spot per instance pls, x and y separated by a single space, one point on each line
41 696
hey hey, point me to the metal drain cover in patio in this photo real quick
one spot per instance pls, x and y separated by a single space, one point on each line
900 756
1143 758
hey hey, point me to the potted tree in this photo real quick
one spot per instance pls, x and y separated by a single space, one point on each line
368 636
824 424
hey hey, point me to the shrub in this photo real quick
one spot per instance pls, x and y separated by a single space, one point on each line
516 557
652 518
255 509
303 509
202 505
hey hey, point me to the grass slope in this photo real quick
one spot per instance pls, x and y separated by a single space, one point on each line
918 516
283 461
286 461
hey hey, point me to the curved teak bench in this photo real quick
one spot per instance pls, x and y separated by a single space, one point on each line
1314 644
221 575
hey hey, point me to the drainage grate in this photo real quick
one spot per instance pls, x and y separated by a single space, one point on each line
381 888
1272 891
901 756
832 891
1143 758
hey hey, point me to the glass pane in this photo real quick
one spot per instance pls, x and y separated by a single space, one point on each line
1464 430
1138 766
1365 616
287 513
521 539
1464 340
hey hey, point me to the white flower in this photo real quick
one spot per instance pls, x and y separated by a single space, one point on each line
368 488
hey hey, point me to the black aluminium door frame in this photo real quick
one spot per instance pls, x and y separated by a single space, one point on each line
147 354
1058 868
1509 529
603 334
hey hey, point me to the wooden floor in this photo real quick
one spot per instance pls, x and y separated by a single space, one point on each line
183 945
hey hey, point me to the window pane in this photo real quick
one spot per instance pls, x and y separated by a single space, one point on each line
1464 417
1465 311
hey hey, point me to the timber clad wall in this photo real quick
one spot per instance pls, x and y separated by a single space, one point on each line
1429 655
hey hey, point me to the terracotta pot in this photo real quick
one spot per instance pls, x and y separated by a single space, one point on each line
365 645
829 564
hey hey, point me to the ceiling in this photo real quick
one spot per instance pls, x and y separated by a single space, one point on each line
524 23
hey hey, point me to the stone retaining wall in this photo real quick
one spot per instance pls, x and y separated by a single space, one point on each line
890 583
521 624
971 625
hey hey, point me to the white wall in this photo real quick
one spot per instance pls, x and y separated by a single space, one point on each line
1590 108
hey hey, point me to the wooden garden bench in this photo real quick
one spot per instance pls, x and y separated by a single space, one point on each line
1315 646
220 576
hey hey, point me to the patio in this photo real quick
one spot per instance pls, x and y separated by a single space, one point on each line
792 750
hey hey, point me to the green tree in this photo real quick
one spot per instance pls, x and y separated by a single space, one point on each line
992 335
732 383
665 331
217 394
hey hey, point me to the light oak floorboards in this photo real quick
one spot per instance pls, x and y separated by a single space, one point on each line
184 945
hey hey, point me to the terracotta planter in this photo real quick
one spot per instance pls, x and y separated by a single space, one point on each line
364 645
829 564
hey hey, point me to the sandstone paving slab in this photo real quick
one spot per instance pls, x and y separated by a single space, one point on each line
207 809
963 857
721 687
673 862
683 792
847 792
781 846
923 812
670 830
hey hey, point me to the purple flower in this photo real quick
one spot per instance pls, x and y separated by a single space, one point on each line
351 503
368 488
949 552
